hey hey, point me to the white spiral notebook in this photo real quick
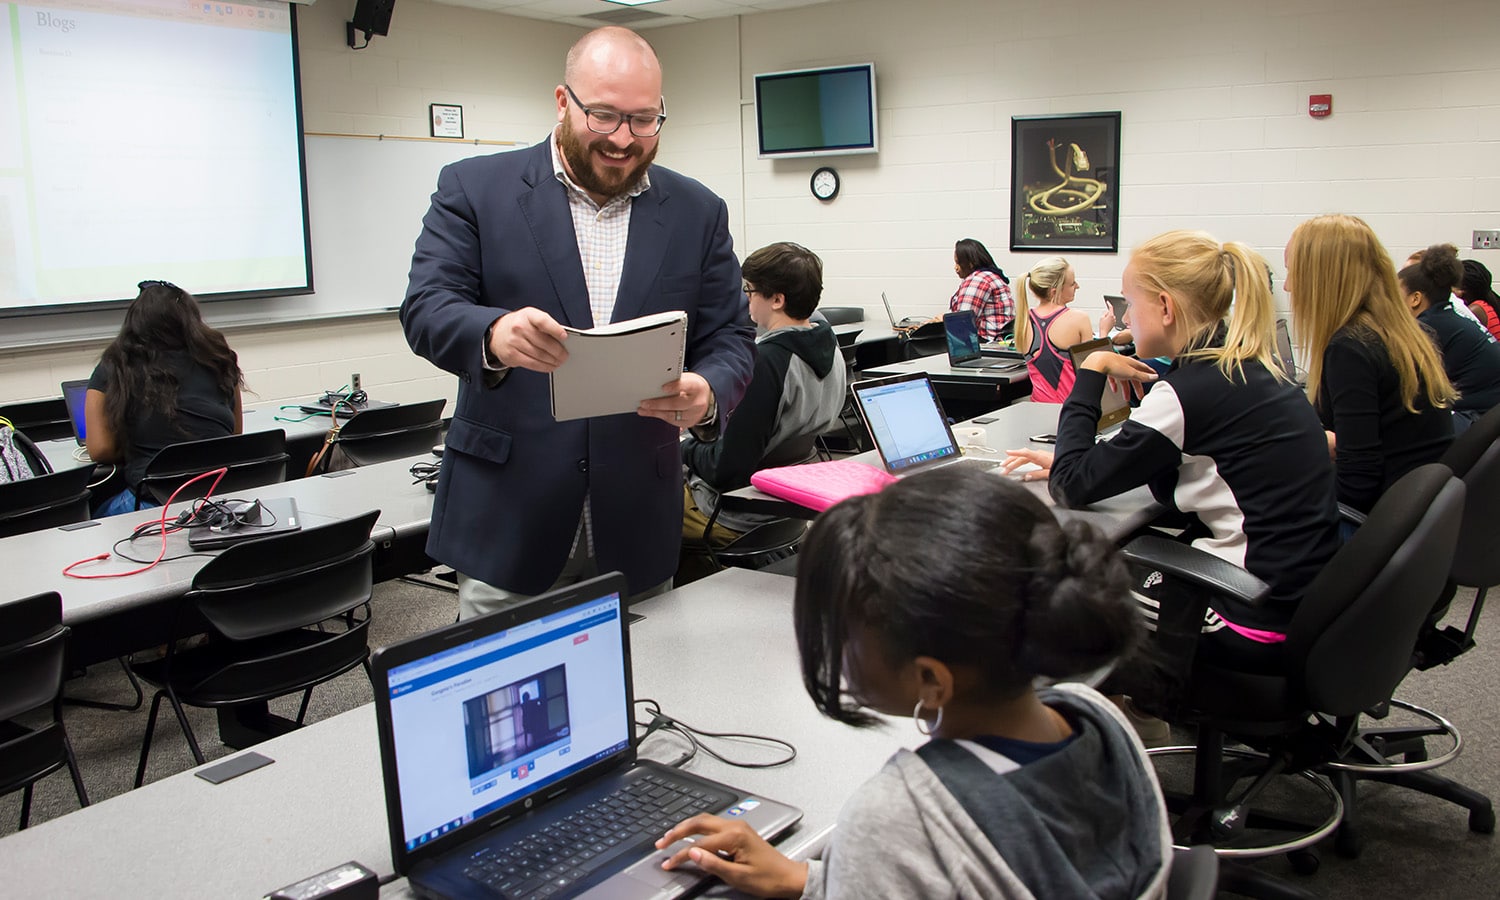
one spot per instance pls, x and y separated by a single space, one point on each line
612 368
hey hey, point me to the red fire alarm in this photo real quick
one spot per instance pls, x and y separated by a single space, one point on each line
1320 106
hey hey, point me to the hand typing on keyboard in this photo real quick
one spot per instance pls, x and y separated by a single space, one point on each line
1029 465
732 851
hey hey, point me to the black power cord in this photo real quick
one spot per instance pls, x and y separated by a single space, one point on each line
696 739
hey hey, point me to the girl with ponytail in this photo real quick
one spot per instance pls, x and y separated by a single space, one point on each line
1222 437
1046 327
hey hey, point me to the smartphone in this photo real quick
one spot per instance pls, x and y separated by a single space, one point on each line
1043 439
234 767
985 420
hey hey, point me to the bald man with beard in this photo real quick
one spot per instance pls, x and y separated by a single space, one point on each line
581 229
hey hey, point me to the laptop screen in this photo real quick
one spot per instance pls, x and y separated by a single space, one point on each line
962 328
489 722
1284 349
74 393
906 421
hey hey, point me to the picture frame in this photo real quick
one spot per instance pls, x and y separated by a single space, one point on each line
446 120
1065 182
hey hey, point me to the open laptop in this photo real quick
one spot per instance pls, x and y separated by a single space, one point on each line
907 423
74 393
1284 351
252 520
501 731
904 324
1114 405
964 349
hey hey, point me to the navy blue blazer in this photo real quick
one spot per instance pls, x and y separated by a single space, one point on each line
499 237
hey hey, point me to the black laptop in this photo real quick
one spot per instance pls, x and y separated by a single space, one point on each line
245 520
74 394
509 757
964 348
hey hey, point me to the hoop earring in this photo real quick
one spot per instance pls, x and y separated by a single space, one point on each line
921 723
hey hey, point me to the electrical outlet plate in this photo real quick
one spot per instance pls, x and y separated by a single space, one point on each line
1486 240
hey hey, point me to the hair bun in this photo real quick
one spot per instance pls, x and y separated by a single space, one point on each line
1078 614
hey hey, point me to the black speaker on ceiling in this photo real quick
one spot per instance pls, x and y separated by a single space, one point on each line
372 17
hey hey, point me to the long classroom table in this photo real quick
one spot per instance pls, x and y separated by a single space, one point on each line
719 654
965 392
114 616
1012 428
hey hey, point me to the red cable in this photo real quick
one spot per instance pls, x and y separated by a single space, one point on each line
219 473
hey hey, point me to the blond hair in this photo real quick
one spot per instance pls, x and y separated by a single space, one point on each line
1341 277
1210 282
1043 278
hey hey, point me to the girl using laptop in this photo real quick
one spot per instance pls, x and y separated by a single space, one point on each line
1223 439
1020 792
167 377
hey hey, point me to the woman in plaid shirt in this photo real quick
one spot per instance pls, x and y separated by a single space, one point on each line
984 290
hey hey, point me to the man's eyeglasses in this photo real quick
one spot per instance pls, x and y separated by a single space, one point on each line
153 282
607 121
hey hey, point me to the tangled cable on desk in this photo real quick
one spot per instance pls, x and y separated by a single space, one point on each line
695 738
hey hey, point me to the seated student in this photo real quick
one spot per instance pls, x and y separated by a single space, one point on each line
1372 373
1046 332
795 393
167 377
1223 437
1456 302
1477 292
984 289
1471 361
1021 792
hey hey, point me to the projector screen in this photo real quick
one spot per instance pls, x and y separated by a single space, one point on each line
149 139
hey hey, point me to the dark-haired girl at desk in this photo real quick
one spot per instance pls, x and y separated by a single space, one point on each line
1020 792
167 377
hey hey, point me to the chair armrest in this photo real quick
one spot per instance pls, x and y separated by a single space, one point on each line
1198 568
1351 515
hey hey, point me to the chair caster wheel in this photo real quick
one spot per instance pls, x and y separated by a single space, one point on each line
1348 843
1304 862
1482 821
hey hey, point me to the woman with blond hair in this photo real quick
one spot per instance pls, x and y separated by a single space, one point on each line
1373 374
1045 333
1222 437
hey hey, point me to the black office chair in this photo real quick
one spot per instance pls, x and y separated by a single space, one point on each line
253 460
282 615
1348 646
927 339
392 432
46 501
41 420
1403 755
842 315
766 543
31 677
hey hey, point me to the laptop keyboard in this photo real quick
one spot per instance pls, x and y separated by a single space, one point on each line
550 861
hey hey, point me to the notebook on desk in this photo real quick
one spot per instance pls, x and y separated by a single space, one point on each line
503 738
906 421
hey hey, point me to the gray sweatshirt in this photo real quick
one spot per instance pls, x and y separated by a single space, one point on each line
1087 821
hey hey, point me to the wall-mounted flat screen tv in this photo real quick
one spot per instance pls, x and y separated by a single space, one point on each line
817 112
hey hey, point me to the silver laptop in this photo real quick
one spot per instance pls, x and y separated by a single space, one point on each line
509 757
1284 351
908 322
907 423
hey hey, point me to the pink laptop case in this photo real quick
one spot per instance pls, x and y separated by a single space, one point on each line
820 485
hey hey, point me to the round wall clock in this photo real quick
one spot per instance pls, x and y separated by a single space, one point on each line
825 184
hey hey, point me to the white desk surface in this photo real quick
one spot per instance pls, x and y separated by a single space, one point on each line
405 508
937 366
1013 426
321 803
